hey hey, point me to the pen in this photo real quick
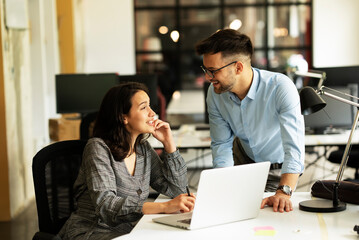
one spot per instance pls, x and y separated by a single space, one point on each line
188 191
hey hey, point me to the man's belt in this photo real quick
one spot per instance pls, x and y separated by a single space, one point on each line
275 166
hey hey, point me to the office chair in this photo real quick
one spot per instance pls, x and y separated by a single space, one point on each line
55 169
86 125
336 157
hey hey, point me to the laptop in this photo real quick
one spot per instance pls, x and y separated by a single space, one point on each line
224 195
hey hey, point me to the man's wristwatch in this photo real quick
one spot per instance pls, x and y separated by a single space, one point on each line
285 189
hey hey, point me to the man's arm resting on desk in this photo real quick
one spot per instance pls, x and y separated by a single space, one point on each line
182 203
280 201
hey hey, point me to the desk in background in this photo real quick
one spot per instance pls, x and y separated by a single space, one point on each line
331 139
268 225
187 137
190 106
328 141
187 102
198 136
186 107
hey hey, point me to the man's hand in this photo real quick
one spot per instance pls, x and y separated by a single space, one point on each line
280 202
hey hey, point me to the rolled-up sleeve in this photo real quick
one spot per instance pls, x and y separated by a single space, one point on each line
292 128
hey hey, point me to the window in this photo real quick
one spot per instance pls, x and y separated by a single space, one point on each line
167 31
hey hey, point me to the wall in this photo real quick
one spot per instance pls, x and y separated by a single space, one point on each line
44 64
18 118
104 33
4 174
66 32
29 62
335 33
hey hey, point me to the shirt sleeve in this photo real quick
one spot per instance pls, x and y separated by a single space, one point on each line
101 183
221 134
291 126
168 175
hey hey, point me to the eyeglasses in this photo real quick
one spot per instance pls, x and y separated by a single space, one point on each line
211 73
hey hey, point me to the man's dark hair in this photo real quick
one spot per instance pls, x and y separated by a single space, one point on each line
228 42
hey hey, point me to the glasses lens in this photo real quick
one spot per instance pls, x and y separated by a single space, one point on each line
206 71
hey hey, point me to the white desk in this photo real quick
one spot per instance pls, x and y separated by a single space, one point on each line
188 137
293 225
187 102
331 139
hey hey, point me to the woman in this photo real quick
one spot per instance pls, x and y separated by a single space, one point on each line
119 166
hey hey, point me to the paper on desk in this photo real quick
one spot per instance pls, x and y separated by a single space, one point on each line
264 231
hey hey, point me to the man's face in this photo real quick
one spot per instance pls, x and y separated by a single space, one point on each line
222 79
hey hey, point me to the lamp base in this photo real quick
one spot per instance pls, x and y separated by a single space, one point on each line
321 206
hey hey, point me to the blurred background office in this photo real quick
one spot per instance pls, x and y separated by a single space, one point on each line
42 38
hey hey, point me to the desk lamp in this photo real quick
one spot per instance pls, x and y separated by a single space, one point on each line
312 102
313 74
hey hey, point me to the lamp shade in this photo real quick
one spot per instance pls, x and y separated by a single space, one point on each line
310 101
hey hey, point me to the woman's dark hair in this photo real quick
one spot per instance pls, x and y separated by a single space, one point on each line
228 42
109 124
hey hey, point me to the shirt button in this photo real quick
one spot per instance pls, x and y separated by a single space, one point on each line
139 191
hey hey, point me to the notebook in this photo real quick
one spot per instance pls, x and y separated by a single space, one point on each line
224 195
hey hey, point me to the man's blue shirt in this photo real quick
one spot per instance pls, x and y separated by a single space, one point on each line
267 121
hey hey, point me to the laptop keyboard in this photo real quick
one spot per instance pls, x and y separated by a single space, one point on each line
187 221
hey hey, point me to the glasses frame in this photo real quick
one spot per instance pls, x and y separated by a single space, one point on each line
211 73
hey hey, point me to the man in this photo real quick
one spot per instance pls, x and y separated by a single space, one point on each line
260 109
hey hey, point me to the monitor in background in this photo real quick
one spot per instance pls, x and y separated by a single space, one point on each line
340 76
150 80
82 93
335 116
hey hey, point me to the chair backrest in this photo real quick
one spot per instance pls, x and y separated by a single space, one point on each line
55 169
87 124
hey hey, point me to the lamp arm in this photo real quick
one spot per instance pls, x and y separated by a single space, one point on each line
345 157
347 148
320 75
339 98
310 74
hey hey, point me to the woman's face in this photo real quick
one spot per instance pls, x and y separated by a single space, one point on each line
140 117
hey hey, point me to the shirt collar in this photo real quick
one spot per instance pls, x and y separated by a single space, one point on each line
253 89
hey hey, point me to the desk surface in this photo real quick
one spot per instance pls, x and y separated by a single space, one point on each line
268 225
187 136
187 102
331 139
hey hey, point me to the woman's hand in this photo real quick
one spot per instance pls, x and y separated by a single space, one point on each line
182 203
162 132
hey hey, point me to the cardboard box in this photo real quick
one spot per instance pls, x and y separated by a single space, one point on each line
65 128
